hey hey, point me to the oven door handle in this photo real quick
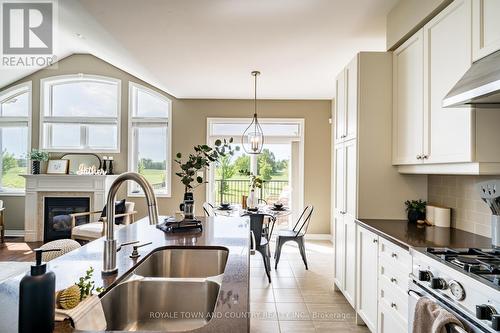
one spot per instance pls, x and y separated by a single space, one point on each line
454 328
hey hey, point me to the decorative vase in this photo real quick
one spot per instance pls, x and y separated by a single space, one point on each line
251 199
187 206
35 167
415 215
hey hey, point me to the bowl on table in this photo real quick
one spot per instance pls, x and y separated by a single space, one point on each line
278 206
225 206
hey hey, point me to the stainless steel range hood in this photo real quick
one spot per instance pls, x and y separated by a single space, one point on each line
479 86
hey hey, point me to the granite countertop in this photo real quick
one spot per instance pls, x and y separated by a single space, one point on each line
229 232
413 235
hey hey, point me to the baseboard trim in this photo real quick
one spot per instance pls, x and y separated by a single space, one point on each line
319 237
14 233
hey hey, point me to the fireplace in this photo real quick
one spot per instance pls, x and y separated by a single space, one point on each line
57 222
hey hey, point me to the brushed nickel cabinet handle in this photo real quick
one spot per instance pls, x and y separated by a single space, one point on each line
394 255
375 240
393 305
393 280
419 157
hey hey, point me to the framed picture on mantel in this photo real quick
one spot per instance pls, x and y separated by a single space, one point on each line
57 167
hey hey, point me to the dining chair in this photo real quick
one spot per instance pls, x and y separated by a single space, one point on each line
259 242
209 209
2 223
296 234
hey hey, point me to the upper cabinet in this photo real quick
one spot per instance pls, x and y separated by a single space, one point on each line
428 138
346 106
408 101
485 28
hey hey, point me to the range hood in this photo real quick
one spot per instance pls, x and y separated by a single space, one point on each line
479 86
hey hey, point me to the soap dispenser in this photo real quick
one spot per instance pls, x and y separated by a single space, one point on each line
37 298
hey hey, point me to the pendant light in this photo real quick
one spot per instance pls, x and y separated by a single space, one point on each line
253 137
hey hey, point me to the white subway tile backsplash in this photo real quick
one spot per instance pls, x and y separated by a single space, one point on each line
469 212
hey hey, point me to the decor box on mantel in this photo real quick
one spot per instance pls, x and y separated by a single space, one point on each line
39 187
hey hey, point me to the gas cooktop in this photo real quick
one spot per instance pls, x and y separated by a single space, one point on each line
484 263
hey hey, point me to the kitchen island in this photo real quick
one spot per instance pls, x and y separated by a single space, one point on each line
231 233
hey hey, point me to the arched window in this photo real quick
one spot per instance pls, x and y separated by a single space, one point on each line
149 138
80 113
15 129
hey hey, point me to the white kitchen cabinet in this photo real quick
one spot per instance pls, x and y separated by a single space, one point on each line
389 321
448 136
365 184
408 101
485 28
367 266
427 138
346 106
339 241
340 107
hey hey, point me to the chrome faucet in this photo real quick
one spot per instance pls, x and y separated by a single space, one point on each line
110 249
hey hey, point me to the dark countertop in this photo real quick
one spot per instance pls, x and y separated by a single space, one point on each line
412 235
229 232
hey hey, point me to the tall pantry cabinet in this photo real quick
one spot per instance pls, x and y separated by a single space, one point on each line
365 184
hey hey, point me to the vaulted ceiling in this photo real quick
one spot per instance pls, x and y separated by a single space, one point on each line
207 48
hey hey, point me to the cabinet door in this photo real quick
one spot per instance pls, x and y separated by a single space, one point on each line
340 107
351 115
350 260
339 179
485 28
389 322
367 272
447 48
351 178
408 101
339 238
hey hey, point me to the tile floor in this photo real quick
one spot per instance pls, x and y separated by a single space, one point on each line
298 300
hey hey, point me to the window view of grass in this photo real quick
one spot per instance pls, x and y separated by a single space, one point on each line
231 185
154 171
12 167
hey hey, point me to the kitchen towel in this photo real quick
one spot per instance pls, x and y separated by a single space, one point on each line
86 316
432 318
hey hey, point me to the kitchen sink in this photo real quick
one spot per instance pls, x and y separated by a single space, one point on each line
159 305
184 263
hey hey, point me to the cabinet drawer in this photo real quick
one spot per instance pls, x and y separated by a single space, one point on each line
389 321
395 254
394 298
397 276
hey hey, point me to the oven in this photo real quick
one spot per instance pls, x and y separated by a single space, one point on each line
417 290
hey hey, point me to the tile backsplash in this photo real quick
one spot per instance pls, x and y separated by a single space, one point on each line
469 212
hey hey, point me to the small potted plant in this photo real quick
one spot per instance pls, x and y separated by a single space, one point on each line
415 210
255 182
37 156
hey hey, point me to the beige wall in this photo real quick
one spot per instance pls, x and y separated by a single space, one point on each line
189 128
408 16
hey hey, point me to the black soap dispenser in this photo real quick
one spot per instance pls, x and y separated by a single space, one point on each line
37 292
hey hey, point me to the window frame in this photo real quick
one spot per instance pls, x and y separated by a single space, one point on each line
133 122
10 121
46 85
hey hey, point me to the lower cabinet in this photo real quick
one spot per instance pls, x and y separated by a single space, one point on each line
367 264
382 276
345 256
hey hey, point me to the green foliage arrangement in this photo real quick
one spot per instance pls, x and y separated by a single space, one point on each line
87 285
255 181
416 205
38 155
201 159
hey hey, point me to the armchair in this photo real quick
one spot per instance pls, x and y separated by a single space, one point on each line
93 230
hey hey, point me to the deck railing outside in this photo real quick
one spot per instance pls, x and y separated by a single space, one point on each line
231 191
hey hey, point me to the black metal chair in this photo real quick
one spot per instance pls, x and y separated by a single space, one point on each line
296 234
209 209
259 241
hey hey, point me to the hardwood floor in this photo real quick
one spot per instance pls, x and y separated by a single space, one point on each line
16 249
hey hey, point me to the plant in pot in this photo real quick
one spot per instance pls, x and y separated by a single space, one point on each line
37 157
415 210
199 160
255 182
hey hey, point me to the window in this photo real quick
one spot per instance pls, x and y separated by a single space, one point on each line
80 113
149 142
15 129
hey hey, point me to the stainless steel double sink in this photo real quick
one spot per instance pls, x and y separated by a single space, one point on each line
174 289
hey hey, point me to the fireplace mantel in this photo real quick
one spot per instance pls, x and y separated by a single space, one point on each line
39 186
